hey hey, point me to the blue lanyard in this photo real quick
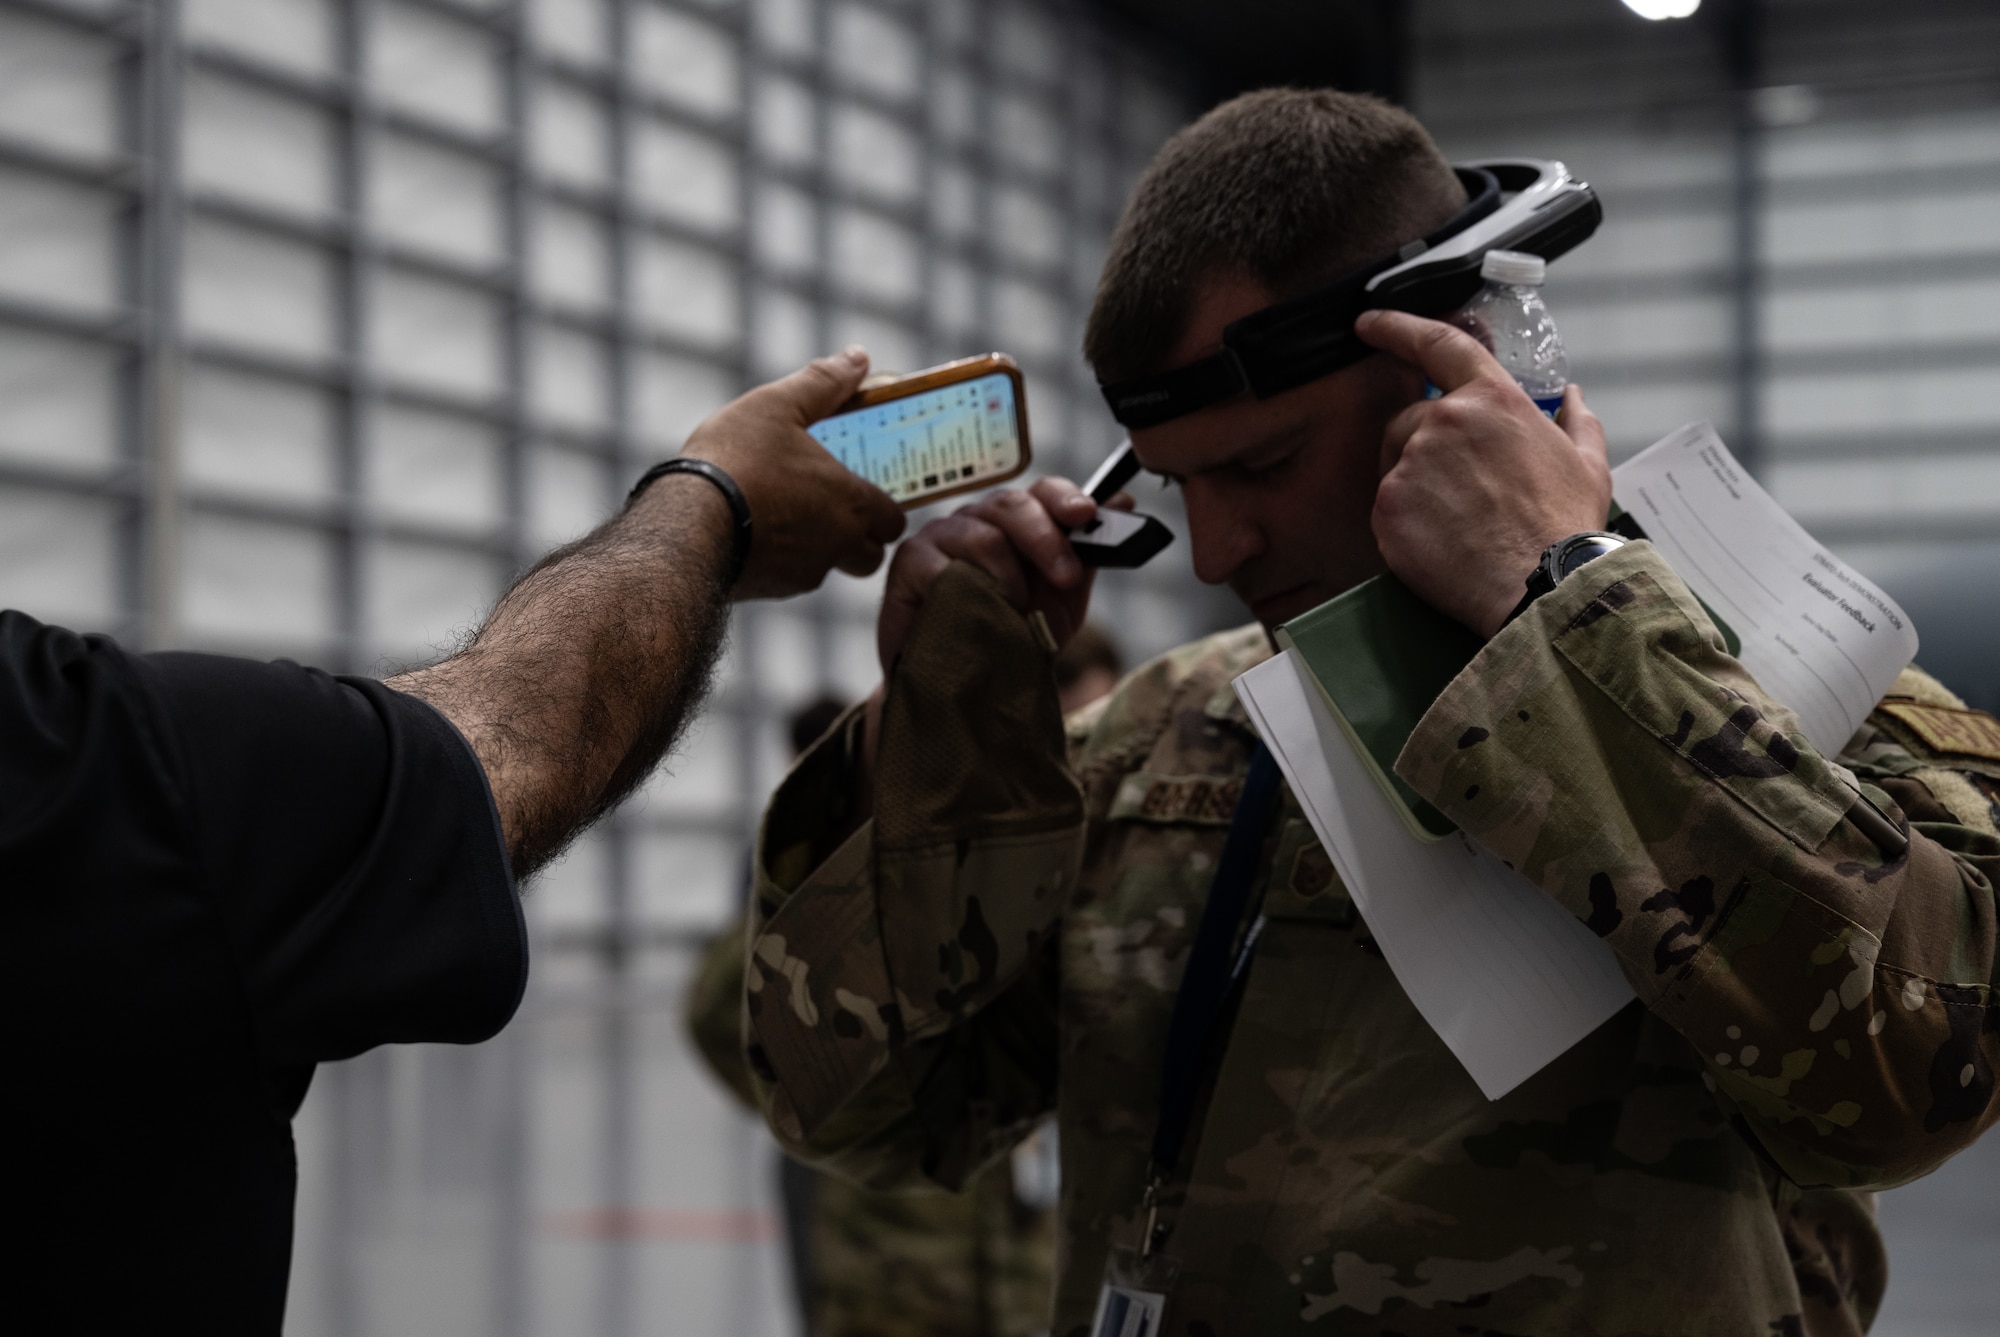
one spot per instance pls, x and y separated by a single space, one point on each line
1212 978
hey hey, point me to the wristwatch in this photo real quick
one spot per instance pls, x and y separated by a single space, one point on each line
1561 558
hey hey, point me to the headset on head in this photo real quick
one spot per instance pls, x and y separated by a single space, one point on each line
1513 204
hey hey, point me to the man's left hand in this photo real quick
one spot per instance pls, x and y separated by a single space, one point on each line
1477 483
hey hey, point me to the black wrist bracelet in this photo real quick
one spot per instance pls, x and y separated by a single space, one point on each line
738 506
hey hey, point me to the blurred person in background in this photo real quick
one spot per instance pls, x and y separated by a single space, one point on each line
1087 668
975 1263
219 873
971 912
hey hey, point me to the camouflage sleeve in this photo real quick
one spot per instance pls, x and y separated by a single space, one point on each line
1836 976
901 988
714 1015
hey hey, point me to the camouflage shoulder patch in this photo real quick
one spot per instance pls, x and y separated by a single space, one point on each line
1203 800
1939 730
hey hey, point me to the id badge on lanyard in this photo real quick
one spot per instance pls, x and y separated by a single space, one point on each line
1124 1311
1133 1301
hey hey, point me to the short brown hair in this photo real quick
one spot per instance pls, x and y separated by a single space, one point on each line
1289 187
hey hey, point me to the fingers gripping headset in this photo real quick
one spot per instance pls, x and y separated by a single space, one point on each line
1513 204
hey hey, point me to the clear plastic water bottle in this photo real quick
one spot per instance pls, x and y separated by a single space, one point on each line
1509 318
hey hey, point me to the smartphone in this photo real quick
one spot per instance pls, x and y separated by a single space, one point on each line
935 433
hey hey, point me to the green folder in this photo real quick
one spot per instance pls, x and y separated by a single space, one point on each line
1380 656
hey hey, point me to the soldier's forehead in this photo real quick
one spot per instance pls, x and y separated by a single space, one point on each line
1218 439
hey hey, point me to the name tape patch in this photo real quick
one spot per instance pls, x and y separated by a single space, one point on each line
1207 800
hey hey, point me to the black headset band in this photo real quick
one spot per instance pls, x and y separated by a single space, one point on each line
1287 343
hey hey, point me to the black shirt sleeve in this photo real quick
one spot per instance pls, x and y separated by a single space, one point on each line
351 845
336 838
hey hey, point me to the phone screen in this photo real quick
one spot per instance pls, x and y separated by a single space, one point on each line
932 441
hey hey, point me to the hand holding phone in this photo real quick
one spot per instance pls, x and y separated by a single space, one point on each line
959 427
963 427
809 514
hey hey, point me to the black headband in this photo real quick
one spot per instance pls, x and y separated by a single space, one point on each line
1301 338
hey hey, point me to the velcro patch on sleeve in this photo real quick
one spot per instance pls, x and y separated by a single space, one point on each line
1947 730
1202 800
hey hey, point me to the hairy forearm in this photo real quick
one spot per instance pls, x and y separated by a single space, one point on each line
589 667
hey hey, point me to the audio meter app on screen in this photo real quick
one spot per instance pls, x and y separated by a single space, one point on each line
949 439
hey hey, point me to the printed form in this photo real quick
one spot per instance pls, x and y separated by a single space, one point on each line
1816 634
1508 978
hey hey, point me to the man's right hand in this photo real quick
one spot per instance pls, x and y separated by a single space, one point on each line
1018 537
808 512
1021 539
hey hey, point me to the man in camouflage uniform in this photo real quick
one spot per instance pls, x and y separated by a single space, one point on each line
974 1263
966 915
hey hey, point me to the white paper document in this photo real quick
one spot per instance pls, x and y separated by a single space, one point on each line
1505 976
1817 635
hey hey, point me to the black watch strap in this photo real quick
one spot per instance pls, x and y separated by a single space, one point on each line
1561 558
739 506
1538 585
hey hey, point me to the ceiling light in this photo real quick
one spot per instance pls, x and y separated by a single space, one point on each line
1663 9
